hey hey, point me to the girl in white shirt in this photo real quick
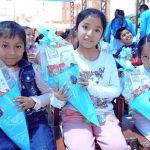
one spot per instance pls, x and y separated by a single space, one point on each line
99 75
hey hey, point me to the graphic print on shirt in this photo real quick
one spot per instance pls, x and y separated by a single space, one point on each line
95 77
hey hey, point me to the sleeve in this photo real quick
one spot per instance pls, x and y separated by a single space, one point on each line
43 100
47 96
107 33
131 27
113 89
142 25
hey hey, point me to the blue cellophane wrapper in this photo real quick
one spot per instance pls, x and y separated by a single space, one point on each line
136 91
80 98
12 121
57 61
141 104
124 59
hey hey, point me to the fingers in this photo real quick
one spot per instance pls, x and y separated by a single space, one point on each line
62 89
66 91
68 97
56 86
3 92
84 81
25 103
61 93
22 106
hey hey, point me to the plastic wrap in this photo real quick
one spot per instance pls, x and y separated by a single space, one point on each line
12 121
59 65
137 92
124 59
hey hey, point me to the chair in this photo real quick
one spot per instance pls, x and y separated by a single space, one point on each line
133 137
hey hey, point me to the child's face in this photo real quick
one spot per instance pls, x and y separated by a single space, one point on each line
29 37
89 32
126 37
145 56
11 50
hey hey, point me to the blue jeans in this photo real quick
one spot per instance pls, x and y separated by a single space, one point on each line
40 133
6 143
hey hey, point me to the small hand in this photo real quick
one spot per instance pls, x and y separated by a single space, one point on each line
137 92
25 102
61 93
84 82
3 93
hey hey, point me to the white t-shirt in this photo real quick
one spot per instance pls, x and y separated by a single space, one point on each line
104 84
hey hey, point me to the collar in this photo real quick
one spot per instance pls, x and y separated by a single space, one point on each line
133 45
24 63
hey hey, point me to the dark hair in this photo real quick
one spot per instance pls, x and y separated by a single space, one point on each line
119 14
26 27
144 7
144 41
119 31
65 34
38 38
68 32
9 29
91 12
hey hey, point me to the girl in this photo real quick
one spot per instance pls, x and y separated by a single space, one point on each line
31 47
131 92
99 76
35 94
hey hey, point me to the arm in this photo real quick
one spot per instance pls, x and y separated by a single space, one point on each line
48 95
142 25
131 27
112 89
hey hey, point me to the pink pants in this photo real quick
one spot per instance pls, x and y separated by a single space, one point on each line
79 135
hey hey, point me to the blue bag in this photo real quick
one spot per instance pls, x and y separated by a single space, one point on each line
80 98
141 104
13 122
58 66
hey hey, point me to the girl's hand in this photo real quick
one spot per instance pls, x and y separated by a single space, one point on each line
61 93
25 102
137 92
84 82
3 93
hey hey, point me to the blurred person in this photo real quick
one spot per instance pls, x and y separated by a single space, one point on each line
31 48
144 20
70 36
112 27
129 48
